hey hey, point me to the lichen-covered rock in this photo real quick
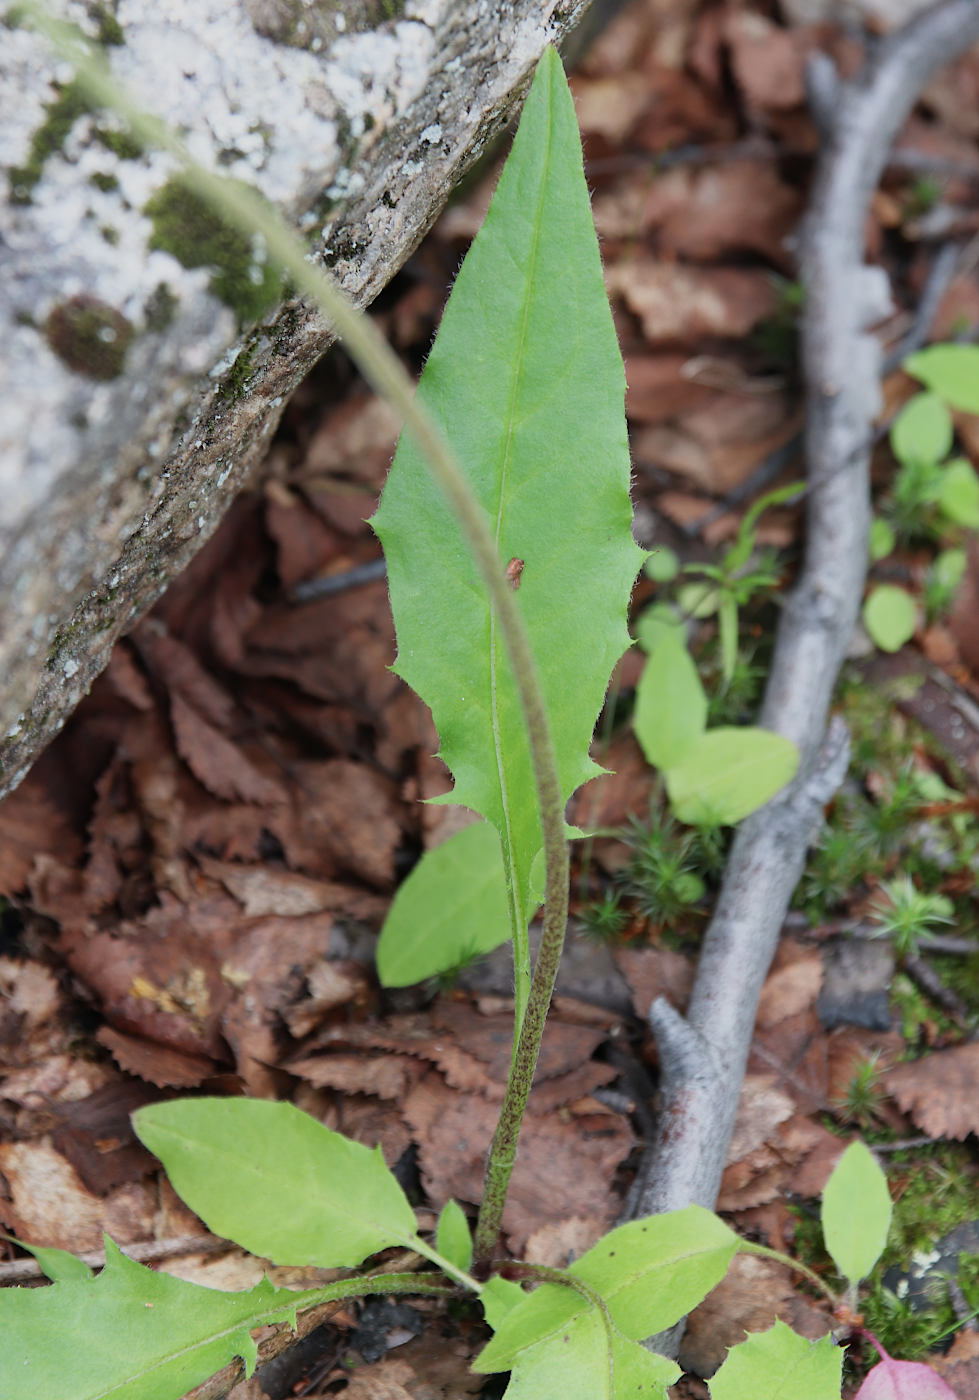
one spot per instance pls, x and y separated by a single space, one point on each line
145 349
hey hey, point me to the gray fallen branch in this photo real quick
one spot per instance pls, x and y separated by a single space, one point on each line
703 1055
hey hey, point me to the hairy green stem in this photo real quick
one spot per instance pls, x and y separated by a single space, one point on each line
446 1265
503 1149
382 368
376 1283
763 1252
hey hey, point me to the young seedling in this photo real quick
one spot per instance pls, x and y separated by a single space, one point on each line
933 493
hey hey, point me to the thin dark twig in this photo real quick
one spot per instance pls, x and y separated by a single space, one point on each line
703 1056
940 274
332 584
932 985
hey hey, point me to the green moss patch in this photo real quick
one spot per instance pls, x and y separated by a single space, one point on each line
184 225
50 137
90 336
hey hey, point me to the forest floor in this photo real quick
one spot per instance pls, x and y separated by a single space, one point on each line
195 871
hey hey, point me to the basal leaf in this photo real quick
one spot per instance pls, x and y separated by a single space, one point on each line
650 1273
952 371
922 431
779 1364
129 1334
276 1181
586 1358
526 381
500 1296
671 707
958 494
451 907
452 1238
856 1212
889 615
728 773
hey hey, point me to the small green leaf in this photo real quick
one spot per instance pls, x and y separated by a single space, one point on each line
889 615
922 431
276 1181
452 1238
130 1334
882 539
451 907
661 565
650 1273
778 1365
671 707
526 381
585 1358
856 1213
958 494
727 621
698 600
952 371
500 1296
740 552
728 773
56 1264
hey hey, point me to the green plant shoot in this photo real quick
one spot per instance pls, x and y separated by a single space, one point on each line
526 382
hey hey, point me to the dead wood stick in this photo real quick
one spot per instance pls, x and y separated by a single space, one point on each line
703 1056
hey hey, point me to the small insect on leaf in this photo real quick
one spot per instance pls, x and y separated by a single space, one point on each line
514 572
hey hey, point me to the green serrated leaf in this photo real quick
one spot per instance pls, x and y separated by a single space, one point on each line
856 1213
452 1238
130 1334
649 1272
922 431
451 907
586 1358
729 773
779 1365
671 707
58 1265
958 493
889 615
277 1182
952 371
526 381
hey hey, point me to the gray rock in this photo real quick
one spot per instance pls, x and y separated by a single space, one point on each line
144 362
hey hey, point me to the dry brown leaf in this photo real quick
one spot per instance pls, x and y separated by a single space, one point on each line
177 668
686 304
303 542
658 389
762 1106
790 990
217 762
959 1367
32 822
654 972
561 1243
939 1091
561 1170
350 811
46 1202
768 61
749 1298
387 1076
157 1064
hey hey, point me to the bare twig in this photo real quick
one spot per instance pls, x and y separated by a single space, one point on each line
704 1055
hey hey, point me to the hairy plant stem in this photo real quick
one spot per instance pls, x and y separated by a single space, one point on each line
764 1252
374 1283
384 371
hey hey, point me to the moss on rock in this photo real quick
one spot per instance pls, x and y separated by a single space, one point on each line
184 225
90 336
